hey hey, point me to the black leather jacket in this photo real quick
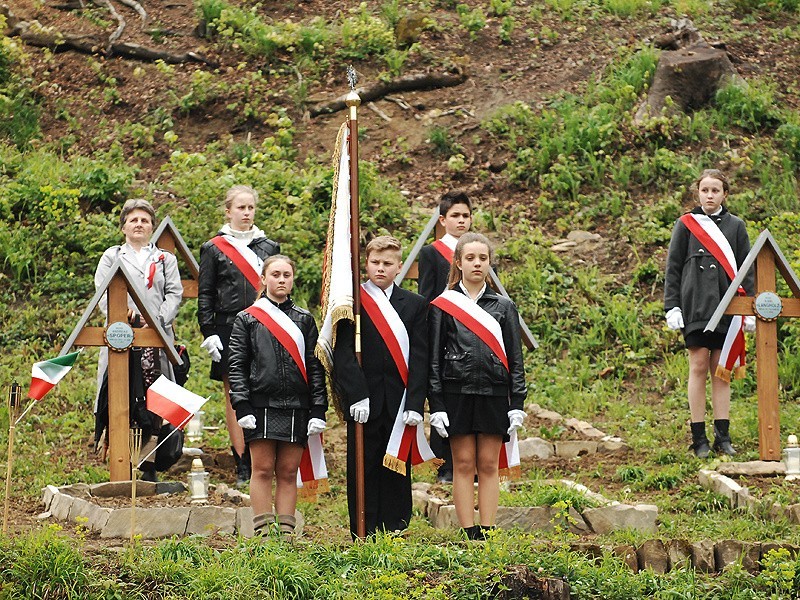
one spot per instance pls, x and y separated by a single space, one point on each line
222 290
262 373
463 364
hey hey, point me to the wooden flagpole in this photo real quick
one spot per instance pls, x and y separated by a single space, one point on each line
12 403
353 101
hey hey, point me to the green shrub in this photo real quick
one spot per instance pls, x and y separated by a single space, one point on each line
750 107
472 19
363 35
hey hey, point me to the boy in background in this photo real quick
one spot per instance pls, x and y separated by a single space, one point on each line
455 215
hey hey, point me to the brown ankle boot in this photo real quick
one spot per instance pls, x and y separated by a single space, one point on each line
263 523
287 523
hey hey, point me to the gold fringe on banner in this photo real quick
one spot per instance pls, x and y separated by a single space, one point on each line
395 464
311 489
510 473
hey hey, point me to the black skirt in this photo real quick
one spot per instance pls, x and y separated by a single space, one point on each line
469 414
280 424
219 369
712 340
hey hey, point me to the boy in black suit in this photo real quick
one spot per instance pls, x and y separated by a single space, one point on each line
372 393
455 215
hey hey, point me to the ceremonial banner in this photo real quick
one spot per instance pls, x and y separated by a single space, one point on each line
46 374
337 275
173 402
312 476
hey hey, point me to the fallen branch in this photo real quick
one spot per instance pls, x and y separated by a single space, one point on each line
378 111
119 18
138 8
91 44
423 81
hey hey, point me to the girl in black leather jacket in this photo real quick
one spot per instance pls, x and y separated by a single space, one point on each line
223 290
277 390
477 379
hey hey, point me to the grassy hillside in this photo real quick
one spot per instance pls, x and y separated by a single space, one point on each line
541 135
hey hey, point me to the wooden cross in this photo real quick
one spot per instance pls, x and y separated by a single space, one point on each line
767 306
410 270
167 237
119 337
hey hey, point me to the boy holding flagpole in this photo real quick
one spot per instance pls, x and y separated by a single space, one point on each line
277 392
386 393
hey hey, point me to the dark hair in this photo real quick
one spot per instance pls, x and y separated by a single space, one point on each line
230 196
713 174
452 198
136 204
455 273
384 242
272 259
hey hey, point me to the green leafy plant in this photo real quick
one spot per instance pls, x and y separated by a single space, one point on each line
472 19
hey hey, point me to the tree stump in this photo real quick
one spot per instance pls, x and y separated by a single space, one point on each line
690 77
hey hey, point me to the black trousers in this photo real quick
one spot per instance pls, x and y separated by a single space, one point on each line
387 495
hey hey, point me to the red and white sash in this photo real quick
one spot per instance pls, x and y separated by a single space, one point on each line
488 330
242 256
154 259
732 359
446 251
404 440
312 476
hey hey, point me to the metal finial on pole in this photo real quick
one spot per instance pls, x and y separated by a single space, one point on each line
352 78
12 403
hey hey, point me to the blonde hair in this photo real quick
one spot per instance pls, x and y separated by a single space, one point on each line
384 242
136 204
232 193
468 238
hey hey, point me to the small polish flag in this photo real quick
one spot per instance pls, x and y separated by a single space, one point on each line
173 402
46 374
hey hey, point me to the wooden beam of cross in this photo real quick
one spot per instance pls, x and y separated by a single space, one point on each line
410 270
765 257
167 237
118 336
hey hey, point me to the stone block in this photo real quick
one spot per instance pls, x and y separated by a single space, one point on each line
113 489
574 449
766 547
751 557
88 514
703 556
680 554
753 468
77 490
446 518
206 520
549 415
60 506
168 487
419 501
605 519
653 555
434 504
727 552
792 512
244 522
579 487
628 555
610 447
743 498
588 549
422 486
535 447
48 492
704 478
584 428
151 523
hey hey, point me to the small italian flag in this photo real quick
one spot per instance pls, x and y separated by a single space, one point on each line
46 374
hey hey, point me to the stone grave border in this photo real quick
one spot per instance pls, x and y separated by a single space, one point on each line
73 503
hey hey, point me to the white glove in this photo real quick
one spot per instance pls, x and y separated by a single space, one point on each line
247 422
749 324
360 411
675 318
515 417
412 417
213 345
440 422
315 426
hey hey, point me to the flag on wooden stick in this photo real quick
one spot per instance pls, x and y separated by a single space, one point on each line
46 374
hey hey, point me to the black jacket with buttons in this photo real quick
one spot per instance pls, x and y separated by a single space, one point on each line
222 289
694 280
263 374
461 363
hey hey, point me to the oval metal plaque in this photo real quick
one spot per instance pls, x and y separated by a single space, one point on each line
119 336
767 306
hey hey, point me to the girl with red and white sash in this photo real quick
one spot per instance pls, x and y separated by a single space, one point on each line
229 280
707 247
277 391
477 380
